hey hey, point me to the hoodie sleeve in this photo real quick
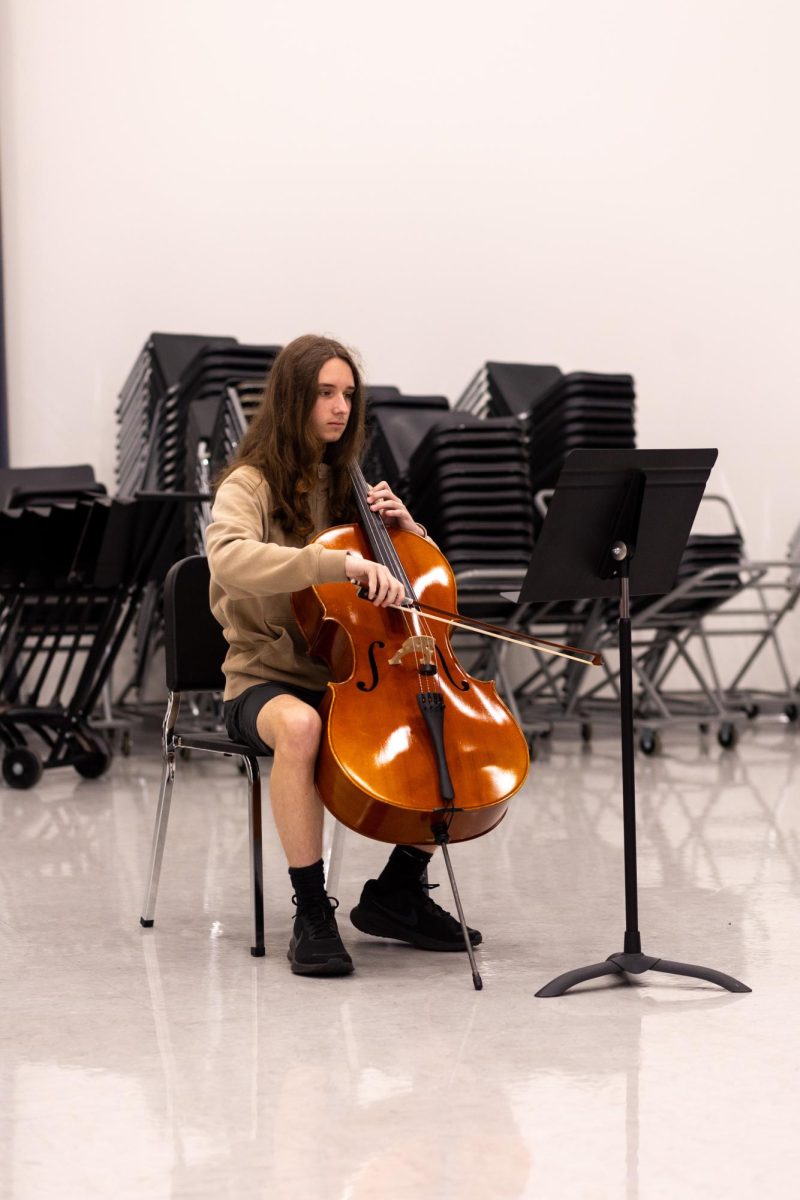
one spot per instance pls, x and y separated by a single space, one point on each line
241 558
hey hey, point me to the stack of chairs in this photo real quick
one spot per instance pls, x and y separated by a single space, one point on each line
168 413
173 373
231 419
558 412
143 420
469 485
669 633
581 410
216 373
396 424
507 389
708 575
466 479
718 595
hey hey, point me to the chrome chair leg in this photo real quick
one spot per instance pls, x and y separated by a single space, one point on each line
159 837
162 812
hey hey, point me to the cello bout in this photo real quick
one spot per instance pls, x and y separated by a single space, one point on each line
410 739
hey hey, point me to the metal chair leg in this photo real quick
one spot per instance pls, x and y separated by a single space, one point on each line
162 812
256 859
159 836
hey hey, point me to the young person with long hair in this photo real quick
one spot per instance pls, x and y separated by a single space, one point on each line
288 482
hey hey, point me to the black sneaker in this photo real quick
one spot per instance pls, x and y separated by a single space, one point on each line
316 948
409 915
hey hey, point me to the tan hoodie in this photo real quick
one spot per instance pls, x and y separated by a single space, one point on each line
255 566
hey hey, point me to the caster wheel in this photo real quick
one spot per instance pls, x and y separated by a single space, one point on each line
126 744
586 732
727 735
751 712
791 712
94 764
532 748
703 727
22 768
649 742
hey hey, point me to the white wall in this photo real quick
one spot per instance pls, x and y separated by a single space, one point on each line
604 185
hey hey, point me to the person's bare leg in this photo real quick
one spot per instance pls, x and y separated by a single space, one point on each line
292 729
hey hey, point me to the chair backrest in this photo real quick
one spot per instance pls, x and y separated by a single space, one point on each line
194 643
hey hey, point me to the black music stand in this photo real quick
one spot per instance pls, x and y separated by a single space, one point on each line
617 525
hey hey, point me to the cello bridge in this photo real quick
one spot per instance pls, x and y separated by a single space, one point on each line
419 644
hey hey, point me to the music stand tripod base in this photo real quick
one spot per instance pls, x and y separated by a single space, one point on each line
636 964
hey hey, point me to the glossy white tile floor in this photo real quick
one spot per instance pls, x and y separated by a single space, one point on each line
169 1063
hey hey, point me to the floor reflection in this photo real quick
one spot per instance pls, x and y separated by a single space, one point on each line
168 1062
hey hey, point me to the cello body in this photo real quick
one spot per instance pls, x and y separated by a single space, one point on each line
387 768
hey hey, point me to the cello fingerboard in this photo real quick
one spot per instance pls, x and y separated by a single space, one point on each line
379 541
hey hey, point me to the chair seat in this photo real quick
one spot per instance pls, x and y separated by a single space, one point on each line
215 743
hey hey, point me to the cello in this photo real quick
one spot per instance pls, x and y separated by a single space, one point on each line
414 751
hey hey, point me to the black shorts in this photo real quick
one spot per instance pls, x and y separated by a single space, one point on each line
241 713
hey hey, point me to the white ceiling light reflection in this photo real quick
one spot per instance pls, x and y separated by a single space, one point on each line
396 743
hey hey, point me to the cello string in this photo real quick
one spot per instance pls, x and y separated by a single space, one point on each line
384 549
586 657
430 682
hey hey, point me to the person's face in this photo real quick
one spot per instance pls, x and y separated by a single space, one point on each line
335 388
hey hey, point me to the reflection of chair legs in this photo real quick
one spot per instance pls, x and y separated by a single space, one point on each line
213 744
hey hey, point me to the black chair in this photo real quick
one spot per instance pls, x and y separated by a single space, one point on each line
195 648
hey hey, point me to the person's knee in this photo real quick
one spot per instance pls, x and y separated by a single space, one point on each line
298 731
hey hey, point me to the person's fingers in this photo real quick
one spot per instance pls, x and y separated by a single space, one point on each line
384 583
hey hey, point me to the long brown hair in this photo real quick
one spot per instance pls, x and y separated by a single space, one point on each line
279 442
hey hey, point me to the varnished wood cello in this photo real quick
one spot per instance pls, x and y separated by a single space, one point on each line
414 749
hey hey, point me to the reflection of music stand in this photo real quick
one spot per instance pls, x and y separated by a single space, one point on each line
617 525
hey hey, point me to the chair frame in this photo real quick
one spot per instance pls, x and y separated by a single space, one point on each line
200 671
171 743
194 650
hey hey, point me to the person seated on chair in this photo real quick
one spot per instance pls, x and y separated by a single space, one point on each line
288 481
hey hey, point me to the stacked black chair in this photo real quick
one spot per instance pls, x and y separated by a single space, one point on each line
469 484
581 410
142 401
177 392
173 372
233 415
214 374
507 389
396 424
712 561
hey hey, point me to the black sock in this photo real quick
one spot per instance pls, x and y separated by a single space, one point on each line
308 884
403 870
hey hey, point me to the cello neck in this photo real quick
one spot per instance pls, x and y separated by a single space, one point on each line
380 543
